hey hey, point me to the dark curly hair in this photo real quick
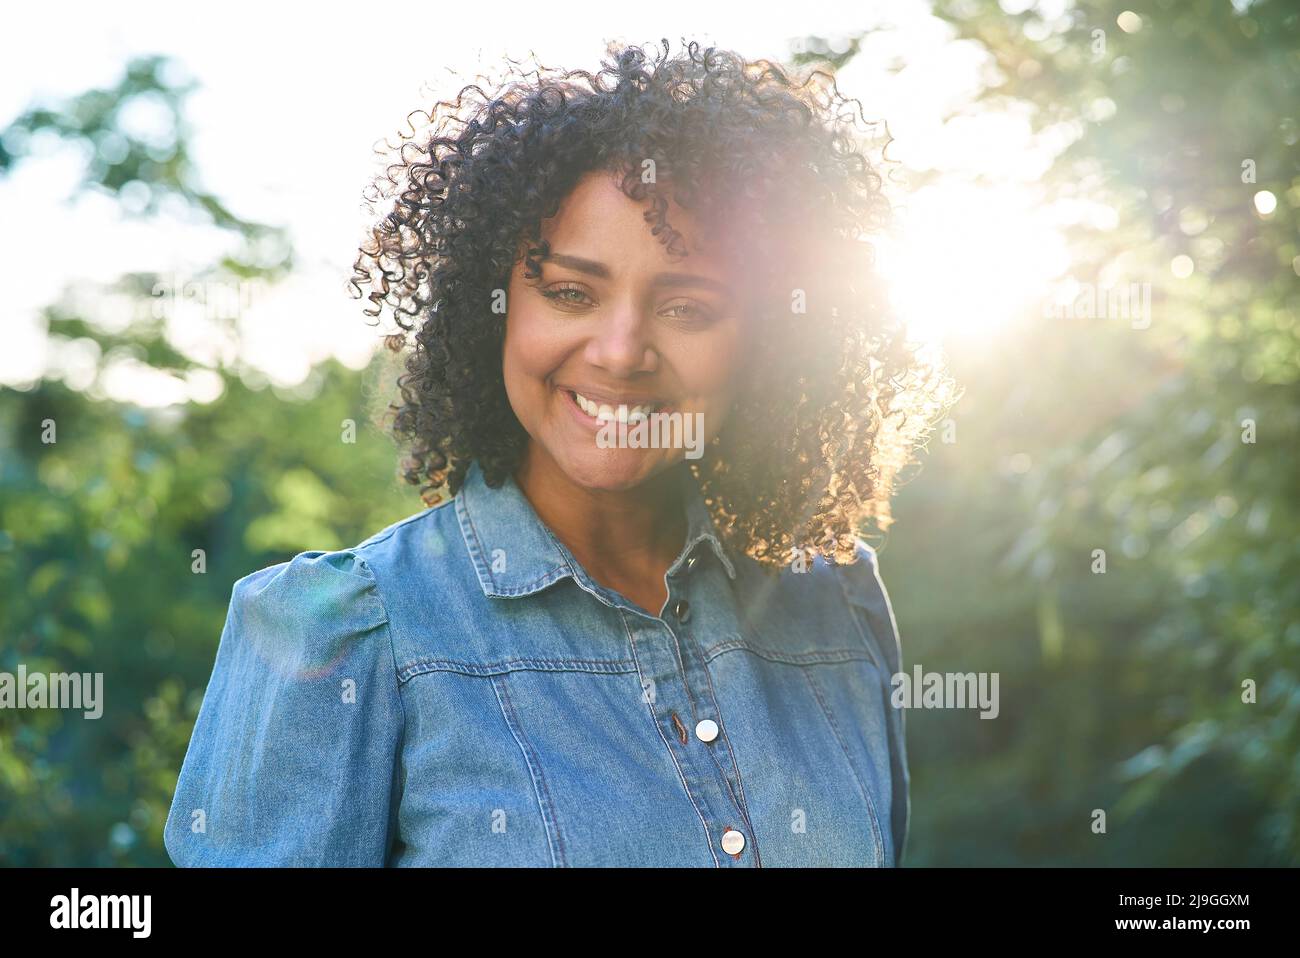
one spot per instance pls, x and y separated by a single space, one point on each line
834 402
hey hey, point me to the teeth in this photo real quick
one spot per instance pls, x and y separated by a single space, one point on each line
603 412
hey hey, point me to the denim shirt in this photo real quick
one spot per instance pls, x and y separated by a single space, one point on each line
458 690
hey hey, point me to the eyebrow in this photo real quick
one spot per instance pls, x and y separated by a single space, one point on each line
594 268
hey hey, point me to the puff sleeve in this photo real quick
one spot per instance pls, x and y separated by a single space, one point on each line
295 753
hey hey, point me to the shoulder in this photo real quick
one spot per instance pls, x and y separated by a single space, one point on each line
312 618
810 604
310 589
425 540
425 528
864 590
344 584
861 578
414 578
856 582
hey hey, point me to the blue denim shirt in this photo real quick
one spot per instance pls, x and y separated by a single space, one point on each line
457 690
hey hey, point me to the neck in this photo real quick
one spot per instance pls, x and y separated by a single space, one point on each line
624 533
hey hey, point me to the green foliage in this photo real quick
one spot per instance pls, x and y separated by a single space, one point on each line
97 566
100 527
1124 691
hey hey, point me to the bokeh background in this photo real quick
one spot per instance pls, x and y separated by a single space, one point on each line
180 200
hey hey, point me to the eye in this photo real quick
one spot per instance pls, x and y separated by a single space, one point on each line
690 312
567 295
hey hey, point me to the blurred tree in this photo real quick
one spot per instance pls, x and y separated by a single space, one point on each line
1172 448
98 530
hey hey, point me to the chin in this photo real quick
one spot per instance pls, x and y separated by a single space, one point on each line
614 470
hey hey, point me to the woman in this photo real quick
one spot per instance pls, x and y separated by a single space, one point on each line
652 373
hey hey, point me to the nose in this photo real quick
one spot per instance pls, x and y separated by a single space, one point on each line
623 342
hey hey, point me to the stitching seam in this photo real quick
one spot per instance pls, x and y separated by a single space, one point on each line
544 804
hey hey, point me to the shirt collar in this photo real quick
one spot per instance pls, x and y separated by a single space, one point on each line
515 554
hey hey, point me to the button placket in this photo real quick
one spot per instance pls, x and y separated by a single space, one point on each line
697 676
708 729
660 659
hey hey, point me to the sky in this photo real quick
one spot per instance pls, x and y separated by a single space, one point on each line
293 98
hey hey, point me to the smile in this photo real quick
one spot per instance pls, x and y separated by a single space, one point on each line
613 412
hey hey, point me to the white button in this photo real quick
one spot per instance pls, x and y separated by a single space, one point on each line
707 730
732 841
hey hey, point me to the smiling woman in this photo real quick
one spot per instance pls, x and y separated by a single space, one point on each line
758 181
587 652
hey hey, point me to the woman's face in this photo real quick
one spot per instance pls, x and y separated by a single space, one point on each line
614 321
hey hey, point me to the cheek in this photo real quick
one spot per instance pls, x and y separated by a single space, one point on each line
528 356
710 366
517 374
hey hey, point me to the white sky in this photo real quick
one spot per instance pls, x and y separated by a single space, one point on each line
293 97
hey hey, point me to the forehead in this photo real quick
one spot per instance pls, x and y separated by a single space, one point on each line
597 219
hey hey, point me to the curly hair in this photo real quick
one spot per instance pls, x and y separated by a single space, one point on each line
835 401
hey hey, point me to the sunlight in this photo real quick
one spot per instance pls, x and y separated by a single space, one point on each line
966 259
